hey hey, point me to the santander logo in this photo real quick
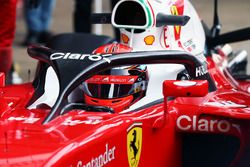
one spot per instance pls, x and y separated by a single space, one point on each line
187 123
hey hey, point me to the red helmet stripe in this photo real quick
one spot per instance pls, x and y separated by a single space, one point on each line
108 79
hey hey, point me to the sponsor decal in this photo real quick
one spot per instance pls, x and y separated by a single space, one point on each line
107 79
174 11
26 120
187 123
190 45
125 38
177 9
100 160
89 120
166 41
149 40
134 144
225 104
77 56
201 70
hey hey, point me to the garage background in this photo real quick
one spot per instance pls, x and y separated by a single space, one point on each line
233 15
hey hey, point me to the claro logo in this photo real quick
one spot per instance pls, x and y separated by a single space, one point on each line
77 56
187 123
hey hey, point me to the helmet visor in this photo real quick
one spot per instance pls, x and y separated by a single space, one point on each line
121 83
107 91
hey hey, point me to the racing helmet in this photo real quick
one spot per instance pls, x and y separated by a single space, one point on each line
117 88
159 25
135 23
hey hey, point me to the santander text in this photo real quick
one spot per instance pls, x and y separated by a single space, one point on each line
101 159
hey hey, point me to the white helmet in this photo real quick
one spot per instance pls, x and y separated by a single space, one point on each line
159 25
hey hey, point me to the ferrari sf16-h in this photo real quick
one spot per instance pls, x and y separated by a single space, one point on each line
157 98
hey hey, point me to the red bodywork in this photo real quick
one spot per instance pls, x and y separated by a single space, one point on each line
181 131
221 61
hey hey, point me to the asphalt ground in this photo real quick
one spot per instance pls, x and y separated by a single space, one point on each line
233 14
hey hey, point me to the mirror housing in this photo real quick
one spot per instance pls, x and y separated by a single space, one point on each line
185 88
180 88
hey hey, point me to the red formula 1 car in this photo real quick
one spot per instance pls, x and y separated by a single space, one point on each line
126 106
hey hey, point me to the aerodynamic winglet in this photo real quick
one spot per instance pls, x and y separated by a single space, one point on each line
163 19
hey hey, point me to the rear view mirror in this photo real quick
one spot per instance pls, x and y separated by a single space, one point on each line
186 88
182 88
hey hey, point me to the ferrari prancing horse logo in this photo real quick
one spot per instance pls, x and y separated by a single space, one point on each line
134 144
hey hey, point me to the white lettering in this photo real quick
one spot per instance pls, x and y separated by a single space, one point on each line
74 56
179 122
66 56
224 126
198 72
203 125
69 122
83 57
212 122
225 104
186 123
194 122
26 120
55 56
201 70
77 56
101 159
79 164
95 57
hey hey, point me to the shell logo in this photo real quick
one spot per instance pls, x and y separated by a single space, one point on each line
149 40
125 38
